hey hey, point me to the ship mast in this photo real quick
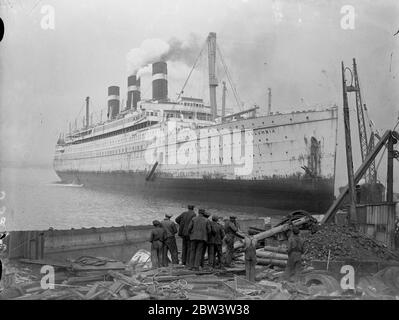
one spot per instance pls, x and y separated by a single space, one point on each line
87 112
269 101
213 82
224 100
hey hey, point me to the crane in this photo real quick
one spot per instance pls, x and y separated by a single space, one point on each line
365 145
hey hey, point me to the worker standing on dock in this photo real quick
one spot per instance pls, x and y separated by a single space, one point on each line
215 243
295 250
250 258
183 221
198 230
157 238
170 241
206 215
231 228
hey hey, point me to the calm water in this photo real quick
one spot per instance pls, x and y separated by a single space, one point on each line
34 201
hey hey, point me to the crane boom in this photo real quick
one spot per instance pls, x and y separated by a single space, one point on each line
365 148
213 82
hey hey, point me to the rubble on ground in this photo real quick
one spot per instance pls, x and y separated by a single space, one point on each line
105 280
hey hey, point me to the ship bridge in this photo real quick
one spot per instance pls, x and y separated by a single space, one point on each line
185 108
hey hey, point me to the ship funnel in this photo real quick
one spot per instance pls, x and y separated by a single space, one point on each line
159 80
113 102
133 92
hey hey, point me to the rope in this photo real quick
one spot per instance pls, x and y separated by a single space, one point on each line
229 78
191 71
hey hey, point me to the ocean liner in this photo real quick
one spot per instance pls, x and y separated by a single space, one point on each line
183 149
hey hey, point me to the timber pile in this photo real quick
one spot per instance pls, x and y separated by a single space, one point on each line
344 242
159 284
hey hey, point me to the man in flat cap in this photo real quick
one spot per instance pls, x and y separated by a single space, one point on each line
295 250
183 221
170 241
157 238
198 230
215 243
206 215
231 228
250 258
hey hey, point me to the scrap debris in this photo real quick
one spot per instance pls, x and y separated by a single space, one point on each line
177 282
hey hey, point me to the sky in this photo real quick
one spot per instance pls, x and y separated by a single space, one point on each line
293 46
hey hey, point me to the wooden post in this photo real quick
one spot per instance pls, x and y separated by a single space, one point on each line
348 145
390 169
87 112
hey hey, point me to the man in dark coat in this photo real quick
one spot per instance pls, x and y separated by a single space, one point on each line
184 221
250 258
206 215
157 238
231 228
294 250
215 242
198 230
170 241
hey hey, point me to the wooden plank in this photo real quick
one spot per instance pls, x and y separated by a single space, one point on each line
274 262
97 294
34 289
81 296
275 249
140 296
271 255
116 287
92 291
108 266
122 277
72 280
46 262
124 294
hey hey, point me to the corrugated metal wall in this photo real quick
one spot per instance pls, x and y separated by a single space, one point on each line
378 222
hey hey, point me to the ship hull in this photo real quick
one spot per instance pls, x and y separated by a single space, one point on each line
285 193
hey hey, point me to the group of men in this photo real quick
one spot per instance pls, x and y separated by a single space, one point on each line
199 235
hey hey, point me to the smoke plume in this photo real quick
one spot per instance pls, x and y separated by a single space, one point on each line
149 51
153 50
184 50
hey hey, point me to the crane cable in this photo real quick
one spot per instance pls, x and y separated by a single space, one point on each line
191 71
229 78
